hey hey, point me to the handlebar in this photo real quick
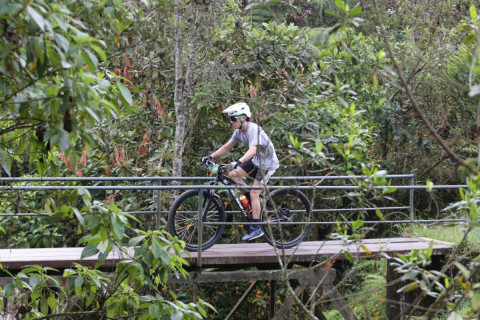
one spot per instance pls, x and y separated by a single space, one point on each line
216 168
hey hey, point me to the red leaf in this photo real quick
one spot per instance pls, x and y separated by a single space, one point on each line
68 163
110 199
146 138
142 150
117 155
329 265
160 108
143 146
83 160
253 92
128 76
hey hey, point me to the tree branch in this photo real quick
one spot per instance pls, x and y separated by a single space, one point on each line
69 314
31 100
17 127
455 157
31 83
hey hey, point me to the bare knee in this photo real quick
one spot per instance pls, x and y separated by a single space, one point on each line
234 175
255 194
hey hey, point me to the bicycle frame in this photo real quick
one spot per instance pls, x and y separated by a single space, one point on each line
226 180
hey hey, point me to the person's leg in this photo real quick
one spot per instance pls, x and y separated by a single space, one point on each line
255 198
255 230
244 170
238 175
261 179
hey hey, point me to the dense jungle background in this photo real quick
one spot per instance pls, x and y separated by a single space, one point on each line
137 88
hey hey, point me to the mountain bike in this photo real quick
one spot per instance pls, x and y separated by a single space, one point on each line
286 211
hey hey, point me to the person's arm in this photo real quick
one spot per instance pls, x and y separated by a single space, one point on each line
223 149
252 150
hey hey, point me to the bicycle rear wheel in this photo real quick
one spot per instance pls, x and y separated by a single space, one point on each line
283 206
183 219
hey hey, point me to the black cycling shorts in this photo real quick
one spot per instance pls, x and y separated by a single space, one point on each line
256 173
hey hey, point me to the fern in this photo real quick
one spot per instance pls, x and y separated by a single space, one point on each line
266 11
320 36
466 148
460 64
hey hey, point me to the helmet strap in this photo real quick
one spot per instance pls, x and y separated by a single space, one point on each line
241 123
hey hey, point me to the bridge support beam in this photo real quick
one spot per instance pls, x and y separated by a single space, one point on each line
273 297
313 279
402 305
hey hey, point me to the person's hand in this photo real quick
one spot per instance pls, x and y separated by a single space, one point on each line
235 164
206 159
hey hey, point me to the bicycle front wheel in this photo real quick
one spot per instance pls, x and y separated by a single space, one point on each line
285 206
184 217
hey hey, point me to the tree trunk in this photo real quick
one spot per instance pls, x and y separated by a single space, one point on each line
183 90
178 101
478 136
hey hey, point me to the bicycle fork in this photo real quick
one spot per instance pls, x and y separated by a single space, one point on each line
207 201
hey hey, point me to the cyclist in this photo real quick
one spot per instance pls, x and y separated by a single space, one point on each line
259 162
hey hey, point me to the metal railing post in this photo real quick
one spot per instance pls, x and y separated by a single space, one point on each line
200 226
159 205
412 211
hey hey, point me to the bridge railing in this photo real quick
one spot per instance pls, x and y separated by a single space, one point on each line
158 185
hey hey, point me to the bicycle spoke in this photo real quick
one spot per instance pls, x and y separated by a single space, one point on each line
182 231
193 234
183 220
184 215
209 228
285 207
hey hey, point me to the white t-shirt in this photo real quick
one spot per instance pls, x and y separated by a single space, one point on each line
266 157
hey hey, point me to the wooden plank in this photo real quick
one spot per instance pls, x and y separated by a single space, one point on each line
403 305
256 253
241 300
61 258
340 303
273 297
257 275
228 254
288 304
395 306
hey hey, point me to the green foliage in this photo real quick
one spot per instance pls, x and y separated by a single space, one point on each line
324 92
448 233
40 287
452 290
138 285
300 13
369 279
107 229
55 87
34 233
304 85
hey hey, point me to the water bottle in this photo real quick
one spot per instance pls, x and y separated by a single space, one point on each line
245 203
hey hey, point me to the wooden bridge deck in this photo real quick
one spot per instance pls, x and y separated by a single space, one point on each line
230 254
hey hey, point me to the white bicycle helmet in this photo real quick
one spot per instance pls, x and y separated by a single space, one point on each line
238 109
